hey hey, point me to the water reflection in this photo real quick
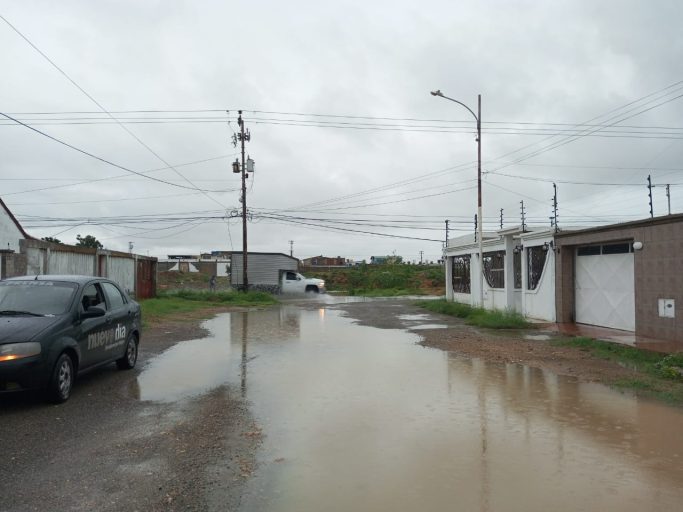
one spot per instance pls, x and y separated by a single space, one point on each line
359 418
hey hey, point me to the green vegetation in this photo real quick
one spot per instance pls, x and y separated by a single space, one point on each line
661 375
383 280
492 319
188 301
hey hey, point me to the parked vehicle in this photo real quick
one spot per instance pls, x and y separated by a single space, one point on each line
53 328
293 282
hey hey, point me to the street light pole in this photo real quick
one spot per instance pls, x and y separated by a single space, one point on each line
480 218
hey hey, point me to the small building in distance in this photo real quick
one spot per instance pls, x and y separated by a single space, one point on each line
324 262
386 260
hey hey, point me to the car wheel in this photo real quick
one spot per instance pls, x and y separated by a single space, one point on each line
127 362
62 380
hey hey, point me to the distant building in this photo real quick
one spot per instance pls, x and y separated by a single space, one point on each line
386 260
324 261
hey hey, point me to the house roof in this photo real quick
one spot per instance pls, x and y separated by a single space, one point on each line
664 219
16 222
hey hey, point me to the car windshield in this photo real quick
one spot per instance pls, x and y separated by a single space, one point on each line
35 297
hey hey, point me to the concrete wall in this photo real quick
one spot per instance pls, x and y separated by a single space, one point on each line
537 304
658 270
38 257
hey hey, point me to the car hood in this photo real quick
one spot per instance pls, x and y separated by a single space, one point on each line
23 328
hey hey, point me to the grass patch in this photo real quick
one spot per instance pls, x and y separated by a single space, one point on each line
186 301
635 358
660 376
382 280
492 319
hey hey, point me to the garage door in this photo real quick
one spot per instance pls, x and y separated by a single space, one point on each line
605 286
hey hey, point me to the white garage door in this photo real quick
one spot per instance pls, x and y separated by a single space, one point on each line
605 286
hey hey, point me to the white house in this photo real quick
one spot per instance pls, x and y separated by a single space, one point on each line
519 271
10 230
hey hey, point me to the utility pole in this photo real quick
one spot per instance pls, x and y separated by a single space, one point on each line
668 196
446 244
477 117
243 136
501 218
554 223
523 216
291 248
421 252
649 188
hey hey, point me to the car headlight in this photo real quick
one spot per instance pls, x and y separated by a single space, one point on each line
13 351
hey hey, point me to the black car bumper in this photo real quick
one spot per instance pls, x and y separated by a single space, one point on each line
25 373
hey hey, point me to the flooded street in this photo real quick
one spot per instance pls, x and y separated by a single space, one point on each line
355 417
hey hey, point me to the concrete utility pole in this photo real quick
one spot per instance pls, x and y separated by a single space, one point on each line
554 224
243 136
421 252
480 233
649 189
446 244
291 248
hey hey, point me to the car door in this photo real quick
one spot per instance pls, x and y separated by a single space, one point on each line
120 320
290 283
94 331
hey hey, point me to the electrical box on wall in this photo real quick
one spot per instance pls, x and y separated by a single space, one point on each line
667 308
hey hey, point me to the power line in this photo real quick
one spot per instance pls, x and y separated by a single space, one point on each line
101 107
103 160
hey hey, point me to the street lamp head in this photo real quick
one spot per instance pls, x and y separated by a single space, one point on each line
436 93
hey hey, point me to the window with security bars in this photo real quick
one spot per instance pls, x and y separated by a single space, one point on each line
494 269
517 267
536 257
461 274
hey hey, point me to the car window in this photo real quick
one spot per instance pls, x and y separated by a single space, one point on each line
38 297
116 299
93 296
291 276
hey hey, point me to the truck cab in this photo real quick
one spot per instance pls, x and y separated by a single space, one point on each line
293 282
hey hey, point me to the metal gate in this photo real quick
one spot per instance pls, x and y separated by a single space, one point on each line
605 290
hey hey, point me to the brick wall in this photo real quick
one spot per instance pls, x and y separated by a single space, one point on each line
658 272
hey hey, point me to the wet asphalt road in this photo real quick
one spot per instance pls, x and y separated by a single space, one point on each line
105 449
330 406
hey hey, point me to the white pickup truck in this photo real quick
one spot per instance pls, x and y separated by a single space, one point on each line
293 282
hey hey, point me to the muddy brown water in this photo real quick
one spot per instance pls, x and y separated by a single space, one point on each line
361 418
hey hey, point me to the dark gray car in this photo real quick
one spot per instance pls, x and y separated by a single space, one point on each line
54 327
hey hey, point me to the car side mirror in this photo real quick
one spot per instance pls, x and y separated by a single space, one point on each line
93 312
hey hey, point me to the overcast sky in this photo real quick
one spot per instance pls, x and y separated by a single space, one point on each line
344 131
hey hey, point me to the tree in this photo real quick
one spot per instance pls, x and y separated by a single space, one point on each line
88 241
52 239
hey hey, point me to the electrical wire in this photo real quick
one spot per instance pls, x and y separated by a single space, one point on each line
101 107
103 160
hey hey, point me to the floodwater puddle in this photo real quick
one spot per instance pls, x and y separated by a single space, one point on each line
415 317
187 369
427 326
537 337
361 418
